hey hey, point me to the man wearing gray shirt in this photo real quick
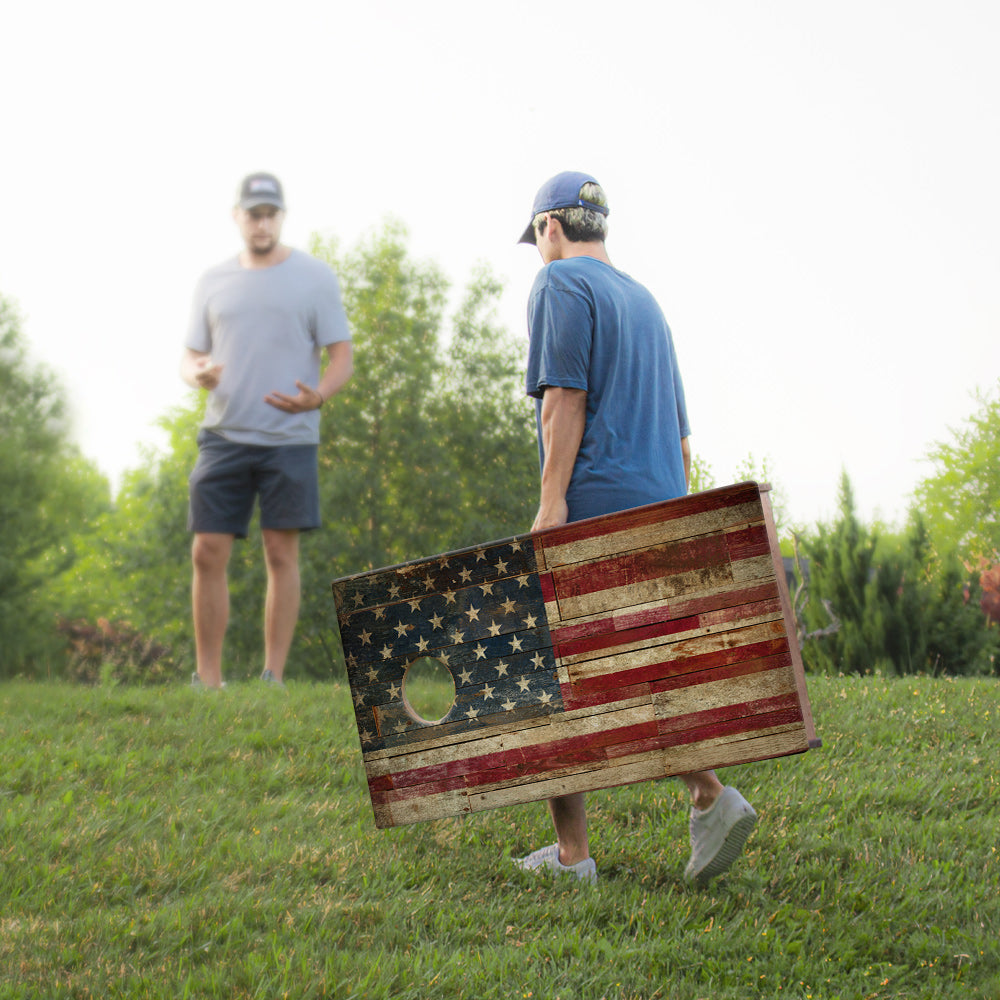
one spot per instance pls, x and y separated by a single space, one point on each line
259 324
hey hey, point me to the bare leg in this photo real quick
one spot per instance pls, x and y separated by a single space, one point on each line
284 588
210 602
569 817
704 787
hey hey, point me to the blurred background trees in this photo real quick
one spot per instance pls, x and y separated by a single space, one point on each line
431 447
960 500
49 494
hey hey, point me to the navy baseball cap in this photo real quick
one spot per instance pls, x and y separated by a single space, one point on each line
561 191
261 189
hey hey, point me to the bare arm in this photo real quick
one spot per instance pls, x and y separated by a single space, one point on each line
686 455
198 371
340 365
564 416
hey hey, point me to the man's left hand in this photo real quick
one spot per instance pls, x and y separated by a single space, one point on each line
306 399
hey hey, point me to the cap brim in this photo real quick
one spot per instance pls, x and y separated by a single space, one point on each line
249 203
528 236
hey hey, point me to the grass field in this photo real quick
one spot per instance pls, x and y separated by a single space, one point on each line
174 843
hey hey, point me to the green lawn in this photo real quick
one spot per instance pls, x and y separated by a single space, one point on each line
174 843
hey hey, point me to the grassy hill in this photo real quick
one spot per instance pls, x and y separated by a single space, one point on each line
173 843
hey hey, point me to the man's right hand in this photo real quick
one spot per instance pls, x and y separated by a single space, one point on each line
551 515
207 374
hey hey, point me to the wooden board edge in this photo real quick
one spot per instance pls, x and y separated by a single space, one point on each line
786 604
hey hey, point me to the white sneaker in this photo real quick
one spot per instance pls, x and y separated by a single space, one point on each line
548 857
718 835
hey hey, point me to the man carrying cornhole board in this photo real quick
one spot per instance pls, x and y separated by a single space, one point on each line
613 434
636 633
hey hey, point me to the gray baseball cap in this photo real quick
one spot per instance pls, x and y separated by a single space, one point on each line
261 189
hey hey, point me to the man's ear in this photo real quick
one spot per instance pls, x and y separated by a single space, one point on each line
553 230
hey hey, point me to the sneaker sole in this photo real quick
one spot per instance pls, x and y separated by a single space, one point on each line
731 849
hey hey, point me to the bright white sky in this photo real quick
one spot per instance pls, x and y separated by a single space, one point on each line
811 190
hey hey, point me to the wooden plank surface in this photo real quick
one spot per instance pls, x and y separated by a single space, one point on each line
643 644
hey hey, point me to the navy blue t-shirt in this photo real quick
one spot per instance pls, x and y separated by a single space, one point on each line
592 327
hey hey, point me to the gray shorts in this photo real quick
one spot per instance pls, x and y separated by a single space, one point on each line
228 477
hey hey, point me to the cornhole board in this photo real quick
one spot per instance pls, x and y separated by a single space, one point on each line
637 645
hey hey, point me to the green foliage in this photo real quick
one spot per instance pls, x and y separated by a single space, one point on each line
429 447
702 476
749 470
961 501
166 843
50 496
752 471
492 457
900 608
134 567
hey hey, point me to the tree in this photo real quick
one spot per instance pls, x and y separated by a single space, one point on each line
961 500
490 441
703 478
49 492
134 566
430 446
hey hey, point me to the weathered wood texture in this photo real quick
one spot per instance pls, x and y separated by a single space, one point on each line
652 642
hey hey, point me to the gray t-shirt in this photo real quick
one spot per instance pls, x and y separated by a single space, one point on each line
266 327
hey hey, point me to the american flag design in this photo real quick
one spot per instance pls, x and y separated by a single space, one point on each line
633 646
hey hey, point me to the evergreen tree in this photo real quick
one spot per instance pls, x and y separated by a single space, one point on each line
900 609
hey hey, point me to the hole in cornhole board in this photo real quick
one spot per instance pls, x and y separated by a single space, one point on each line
428 690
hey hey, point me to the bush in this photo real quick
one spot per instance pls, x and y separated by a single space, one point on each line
115 652
903 607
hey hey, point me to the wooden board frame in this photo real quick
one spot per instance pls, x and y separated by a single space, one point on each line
652 642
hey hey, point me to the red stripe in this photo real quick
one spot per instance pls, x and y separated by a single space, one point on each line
683 666
671 559
506 764
624 638
723 616
743 668
733 727
699 605
418 791
563 753
574 697
548 588
711 717
640 517
756 609
380 784
746 543
665 611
